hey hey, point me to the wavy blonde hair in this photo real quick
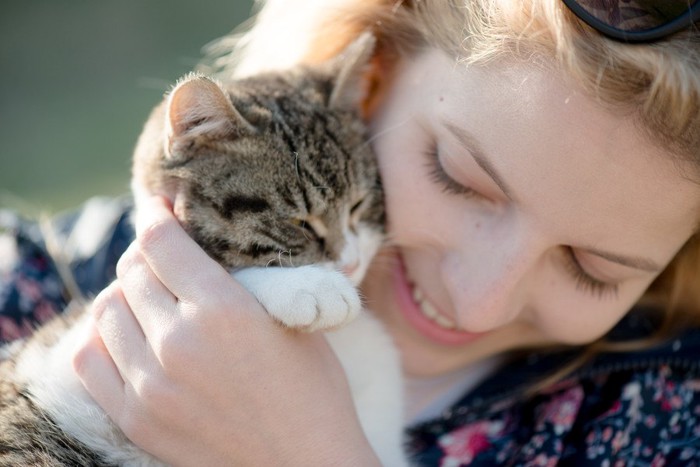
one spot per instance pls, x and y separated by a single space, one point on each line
658 83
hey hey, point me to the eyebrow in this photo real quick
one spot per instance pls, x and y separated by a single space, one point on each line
469 142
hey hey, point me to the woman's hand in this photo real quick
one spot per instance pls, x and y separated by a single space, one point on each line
194 371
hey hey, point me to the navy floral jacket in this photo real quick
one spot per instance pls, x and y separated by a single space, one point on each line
632 409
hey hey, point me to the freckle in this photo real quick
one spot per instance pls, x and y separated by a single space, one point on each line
441 98
477 226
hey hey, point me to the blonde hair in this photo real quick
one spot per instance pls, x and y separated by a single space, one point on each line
658 83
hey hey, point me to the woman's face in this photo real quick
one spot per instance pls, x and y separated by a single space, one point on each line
520 212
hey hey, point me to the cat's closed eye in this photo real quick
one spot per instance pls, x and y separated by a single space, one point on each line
360 208
358 204
311 225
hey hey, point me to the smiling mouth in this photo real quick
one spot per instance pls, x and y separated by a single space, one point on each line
423 315
428 310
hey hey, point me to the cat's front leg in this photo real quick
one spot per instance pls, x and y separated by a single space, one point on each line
310 297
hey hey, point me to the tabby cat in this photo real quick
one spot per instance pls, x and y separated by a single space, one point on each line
271 170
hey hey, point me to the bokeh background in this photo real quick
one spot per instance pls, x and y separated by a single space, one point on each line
77 81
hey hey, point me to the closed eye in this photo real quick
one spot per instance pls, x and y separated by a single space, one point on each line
438 175
585 282
312 225
306 227
355 207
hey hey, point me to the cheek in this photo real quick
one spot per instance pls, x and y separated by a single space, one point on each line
579 319
408 195
402 168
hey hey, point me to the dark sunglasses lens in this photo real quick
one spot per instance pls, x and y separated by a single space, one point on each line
637 15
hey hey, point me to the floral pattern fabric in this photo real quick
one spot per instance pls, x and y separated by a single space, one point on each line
632 418
31 289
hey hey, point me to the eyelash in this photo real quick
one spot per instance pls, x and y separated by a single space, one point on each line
438 175
587 283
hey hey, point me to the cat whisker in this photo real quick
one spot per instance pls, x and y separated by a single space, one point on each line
434 238
289 259
296 164
304 231
382 133
389 240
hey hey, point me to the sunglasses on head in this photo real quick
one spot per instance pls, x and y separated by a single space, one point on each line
636 20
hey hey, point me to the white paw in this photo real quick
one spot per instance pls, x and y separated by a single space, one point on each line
307 297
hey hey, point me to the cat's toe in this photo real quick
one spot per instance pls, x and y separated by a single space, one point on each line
326 300
301 311
337 303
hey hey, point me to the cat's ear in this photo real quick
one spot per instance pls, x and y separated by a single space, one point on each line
351 69
198 105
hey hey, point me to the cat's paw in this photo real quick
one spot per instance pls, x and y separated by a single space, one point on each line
310 298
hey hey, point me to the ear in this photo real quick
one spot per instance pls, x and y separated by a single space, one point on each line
197 105
352 68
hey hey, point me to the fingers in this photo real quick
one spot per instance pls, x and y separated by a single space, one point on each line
123 393
178 262
121 334
116 364
173 288
98 373
153 306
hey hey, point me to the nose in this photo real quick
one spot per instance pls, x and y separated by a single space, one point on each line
487 284
349 269
350 259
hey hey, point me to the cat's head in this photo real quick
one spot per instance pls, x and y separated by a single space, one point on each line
274 169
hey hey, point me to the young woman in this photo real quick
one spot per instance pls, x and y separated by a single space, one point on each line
540 165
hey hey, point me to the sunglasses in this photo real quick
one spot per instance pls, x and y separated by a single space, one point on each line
636 20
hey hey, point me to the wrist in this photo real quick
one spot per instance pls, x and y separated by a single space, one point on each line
349 448
344 454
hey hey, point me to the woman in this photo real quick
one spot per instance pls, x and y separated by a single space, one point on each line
541 278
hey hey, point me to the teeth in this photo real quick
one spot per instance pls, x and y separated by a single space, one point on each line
444 322
417 294
429 310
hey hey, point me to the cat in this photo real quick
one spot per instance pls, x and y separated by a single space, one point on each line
274 177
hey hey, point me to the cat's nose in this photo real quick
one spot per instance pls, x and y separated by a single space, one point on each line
349 269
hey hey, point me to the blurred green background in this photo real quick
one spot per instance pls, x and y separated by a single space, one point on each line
77 81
